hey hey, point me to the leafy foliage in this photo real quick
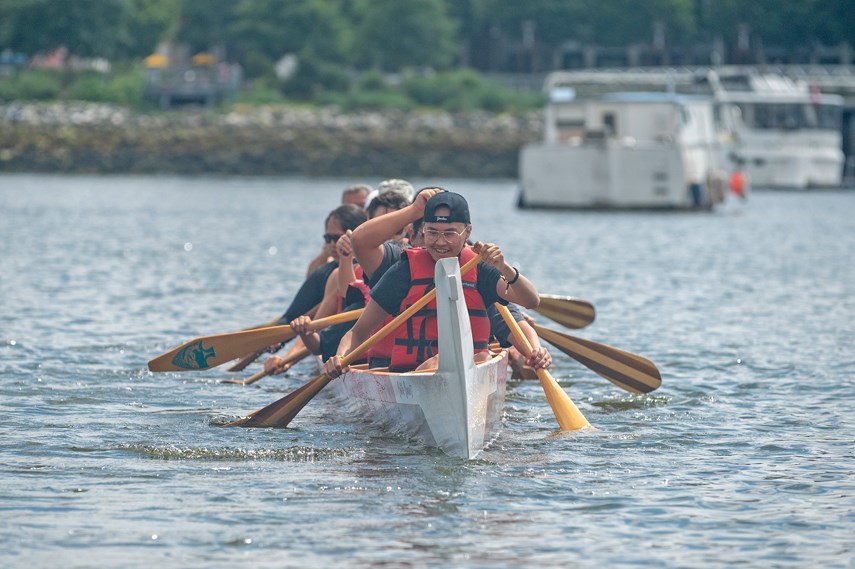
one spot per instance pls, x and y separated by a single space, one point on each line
345 47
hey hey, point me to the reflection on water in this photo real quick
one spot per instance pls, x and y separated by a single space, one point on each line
744 456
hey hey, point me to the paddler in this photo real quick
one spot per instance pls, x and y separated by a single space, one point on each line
346 274
377 249
446 227
355 194
310 294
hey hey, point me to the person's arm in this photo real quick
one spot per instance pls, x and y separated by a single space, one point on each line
368 323
386 298
540 357
302 324
513 286
369 237
345 267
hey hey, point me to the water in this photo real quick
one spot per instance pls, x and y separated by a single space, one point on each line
743 457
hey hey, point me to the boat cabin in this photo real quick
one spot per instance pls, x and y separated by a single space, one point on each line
624 150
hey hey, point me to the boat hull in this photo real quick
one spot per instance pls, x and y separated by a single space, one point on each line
457 407
426 406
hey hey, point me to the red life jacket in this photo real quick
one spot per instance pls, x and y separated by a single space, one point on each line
418 339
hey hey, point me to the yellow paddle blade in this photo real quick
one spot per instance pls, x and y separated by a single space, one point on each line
568 415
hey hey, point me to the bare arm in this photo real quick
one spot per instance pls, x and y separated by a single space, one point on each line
368 323
345 267
540 357
369 237
515 287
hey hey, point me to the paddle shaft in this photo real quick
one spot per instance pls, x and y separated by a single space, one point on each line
210 351
628 371
280 413
288 361
244 362
568 415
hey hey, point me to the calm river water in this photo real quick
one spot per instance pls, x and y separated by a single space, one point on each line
744 456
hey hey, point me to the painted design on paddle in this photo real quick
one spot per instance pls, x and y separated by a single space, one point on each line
194 356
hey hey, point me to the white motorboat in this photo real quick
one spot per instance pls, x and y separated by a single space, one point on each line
631 150
785 133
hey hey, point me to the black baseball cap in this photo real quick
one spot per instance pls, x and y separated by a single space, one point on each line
458 208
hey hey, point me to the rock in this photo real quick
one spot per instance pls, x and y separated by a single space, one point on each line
265 140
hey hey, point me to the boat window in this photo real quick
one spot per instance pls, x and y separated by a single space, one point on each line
829 116
790 116
609 124
569 129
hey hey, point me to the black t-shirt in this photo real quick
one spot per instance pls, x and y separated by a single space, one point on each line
391 254
498 329
391 290
310 294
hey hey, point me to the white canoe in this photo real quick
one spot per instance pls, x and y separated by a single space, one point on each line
457 407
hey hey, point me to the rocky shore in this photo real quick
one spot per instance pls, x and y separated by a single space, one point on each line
98 138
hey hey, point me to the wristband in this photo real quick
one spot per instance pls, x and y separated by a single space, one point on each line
508 283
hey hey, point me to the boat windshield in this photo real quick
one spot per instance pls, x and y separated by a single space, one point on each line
790 116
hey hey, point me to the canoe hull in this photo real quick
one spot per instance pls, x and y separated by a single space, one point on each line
425 406
457 407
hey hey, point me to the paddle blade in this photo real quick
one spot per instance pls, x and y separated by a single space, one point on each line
570 312
279 413
628 371
568 415
210 351
316 325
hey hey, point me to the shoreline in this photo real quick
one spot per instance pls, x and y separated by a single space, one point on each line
93 138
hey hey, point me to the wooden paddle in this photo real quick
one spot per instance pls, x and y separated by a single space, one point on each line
286 363
628 371
571 312
249 358
280 413
244 362
210 351
568 415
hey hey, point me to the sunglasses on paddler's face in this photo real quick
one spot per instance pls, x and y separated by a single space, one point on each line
331 237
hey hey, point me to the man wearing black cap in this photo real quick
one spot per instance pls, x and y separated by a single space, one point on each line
446 229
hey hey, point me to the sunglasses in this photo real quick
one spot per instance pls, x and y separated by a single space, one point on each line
331 237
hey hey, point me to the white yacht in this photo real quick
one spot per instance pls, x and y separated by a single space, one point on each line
785 134
625 151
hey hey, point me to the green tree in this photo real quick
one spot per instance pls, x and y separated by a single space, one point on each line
205 23
599 22
787 24
88 28
146 23
82 26
265 30
393 35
